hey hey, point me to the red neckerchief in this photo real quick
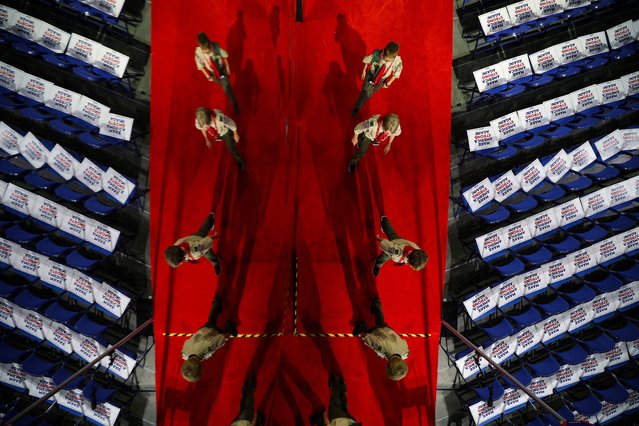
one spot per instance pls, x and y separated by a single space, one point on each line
380 74
212 130
186 248
405 252
380 136
213 65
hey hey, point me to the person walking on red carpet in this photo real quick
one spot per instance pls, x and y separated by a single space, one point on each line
247 415
401 251
204 343
385 342
217 126
377 130
337 414
381 68
193 247
212 60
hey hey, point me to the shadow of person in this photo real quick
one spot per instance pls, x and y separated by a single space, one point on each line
235 42
337 87
249 90
352 46
274 21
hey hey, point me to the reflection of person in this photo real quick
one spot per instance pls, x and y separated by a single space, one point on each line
192 247
337 414
385 342
377 130
212 60
381 68
401 251
217 126
247 416
204 343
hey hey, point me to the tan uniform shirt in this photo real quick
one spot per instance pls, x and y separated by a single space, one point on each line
386 343
371 128
197 246
393 67
395 249
203 59
342 421
203 343
220 122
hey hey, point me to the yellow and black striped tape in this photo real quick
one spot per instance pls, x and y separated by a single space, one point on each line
260 335
239 336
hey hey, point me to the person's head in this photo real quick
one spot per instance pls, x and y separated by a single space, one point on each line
391 49
203 116
417 259
203 41
396 369
174 256
192 369
390 122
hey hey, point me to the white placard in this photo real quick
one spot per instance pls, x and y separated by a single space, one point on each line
548 7
630 83
618 355
559 270
517 233
620 35
111 61
543 222
567 375
634 185
517 67
595 202
629 240
612 91
558 108
3 187
533 117
9 139
633 348
594 44
479 195
482 138
59 335
533 281
6 313
62 99
514 399
527 339
111 7
507 125
554 326
54 274
7 16
545 60
489 77
509 292
495 21
89 174
481 303
580 316
630 139
116 185
85 347
583 259
569 212
104 414
26 261
53 38
62 162
585 98
82 48
483 413
558 166
608 249
73 223
633 400
34 87
12 375
39 386
10 77
543 386
627 295
603 305
26 26
91 111
610 411
522 11
505 186
6 250
492 243
80 285
572 4
570 51
621 192
71 399
592 365
470 364
582 157
47 211
117 126
29 322
119 364
33 150
503 349
531 176
101 235
19 199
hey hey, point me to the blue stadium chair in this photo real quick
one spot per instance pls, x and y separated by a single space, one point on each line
574 182
582 121
535 80
551 304
563 411
103 204
520 202
607 113
556 132
41 113
62 375
502 152
532 252
59 313
53 249
97 394
88 327
71 126
99 141
559 241
519 371
568 351
84 259
577 292
547 192
595 340
506 265
8 289
586 231
525 317
28 300
37 366
564 71
543 365
9 353
613 221
621 329
506 91
536 421
38 180
489 390
61 60
497 329
602 280
600 172
628 376
583 401
606 388
73 191
93 74
491 213
17 233
13 101
625 268
15 166
531 141
30 48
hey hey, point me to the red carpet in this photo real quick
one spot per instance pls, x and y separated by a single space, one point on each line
296 84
